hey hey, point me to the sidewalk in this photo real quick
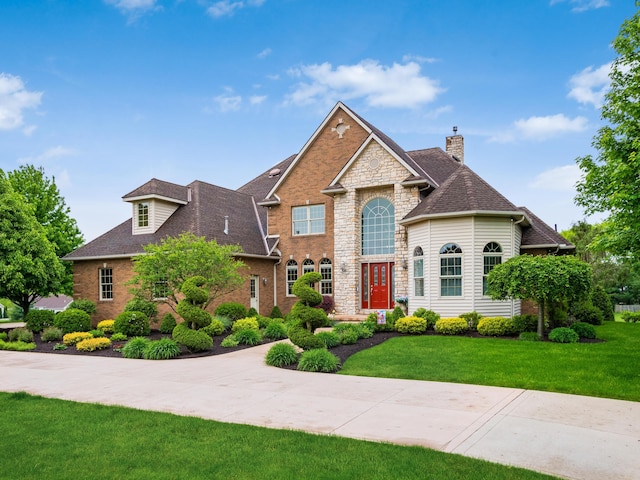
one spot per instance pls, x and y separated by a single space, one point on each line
564 435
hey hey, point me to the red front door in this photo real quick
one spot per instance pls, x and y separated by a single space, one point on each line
377 285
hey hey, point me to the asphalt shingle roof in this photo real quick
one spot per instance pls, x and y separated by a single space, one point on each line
539 233
155 187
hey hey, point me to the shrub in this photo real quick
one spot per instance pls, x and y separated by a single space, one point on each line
631 317
231 310
330 339
557 313
275 331
214 328
587 313
106 326
118 337
525 323
412 325
430 316
496 326
51 334
150 309
21 334
83 304
230 341
162 349
349 337
135 347
365 330
75 337
3 336
584 330
168 323
281 354
563 335
226 321
96 333
245 324
248 336
38 320
276 313
303 338
262 320
451 326
602 301
318 360
17 346
194 340
60 346
327 304
72 320
252 312
388 326
529 337
472 319
93 344
340 328
132 324
397 313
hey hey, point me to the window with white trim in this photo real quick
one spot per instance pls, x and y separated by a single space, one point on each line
418 272
308 220
143 214
451 270
106 284
378 227
308 266
326 271
292 276
492 256
160 290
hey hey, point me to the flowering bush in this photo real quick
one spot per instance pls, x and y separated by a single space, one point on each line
75 337
92 344
106 326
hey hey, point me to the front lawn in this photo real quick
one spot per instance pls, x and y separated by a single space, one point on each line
608 369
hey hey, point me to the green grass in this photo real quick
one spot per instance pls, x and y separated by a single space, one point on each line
608 369
56 439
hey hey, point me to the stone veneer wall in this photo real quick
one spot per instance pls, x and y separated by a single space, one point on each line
376 173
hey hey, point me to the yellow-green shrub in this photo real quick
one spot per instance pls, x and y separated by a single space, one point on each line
249 323
106 326
75 337
496 326
451 326
92 344
414 325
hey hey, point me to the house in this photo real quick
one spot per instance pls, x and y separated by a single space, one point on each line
376 221
55 303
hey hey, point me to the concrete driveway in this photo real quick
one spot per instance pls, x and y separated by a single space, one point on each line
565 435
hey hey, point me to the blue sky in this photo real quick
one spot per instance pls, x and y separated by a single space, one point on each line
108 94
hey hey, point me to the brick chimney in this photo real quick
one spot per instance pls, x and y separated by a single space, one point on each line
455 146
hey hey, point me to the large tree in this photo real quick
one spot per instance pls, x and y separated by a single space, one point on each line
611 182
51 212
163 269
29 266
542 279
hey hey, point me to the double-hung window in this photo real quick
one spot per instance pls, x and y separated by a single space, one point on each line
106 284
492 256
326 283
451 270
308 220
143 214
418 272
292 276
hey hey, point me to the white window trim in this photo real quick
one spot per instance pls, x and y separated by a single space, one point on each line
101 285
288 268
308 220
445 277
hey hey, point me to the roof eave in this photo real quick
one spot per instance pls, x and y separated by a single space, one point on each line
155 197
468 213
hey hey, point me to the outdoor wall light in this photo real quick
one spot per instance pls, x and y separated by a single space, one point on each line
264 280
343 267
405 265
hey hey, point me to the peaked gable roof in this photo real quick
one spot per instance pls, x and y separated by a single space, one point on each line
541 235
155 188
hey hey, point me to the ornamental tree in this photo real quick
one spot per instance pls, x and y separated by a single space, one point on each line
542 279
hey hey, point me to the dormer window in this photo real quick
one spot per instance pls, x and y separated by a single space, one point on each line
143 214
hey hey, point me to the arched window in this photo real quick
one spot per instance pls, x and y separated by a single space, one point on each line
378 227
308 266
418 272
451 270
492 254
326 270
292 276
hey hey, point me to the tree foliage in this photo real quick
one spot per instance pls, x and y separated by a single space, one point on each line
611 182
29 266
542 279
164 268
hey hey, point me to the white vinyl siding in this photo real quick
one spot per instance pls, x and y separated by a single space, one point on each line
158 213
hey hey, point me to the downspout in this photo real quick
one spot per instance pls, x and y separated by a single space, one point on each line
513 254
275 283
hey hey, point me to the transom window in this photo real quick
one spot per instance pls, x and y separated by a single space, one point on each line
106 284
492 256
378 225
143 214
308 220
418 272
308 266
326 271
451 270
292 276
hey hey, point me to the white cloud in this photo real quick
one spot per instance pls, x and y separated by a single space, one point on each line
264 53
14 99
228 102
53 152
583 5
400 86
542 128
126 5
590 85
257 99
561 179
433 114
418 58
228 7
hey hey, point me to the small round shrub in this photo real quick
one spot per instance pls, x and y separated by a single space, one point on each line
330 339
303 338
96 333
365 330
411 325
21 334
135 347
248 336
252 312
59 346
248 323
281 354
472 319
118 337
584 330
150 309
93 344
84 305
262 320
276 313
318 360
275 331
496 326
226 321
529 337
587 313
132 324
429 315
349 337
3 336
232 310
38 320
451 326
162 349
51 334
387 326
168 323
74 338
216 327
72 320
525 323
397 313
194 340
563 335
630 317
229 341
106 326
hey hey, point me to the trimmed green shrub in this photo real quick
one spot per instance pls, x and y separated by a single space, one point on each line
282 354
132 324
248 336
84 305
430 316
262 320
496 326
226 321
451 326
106 326
602 301
231 310
150 309
275 331
38 320
584 330
252 312
194 340
214 328
587 313
72 320
389 326
230 341
97 333
340 328
168 323
276 313
472 319
349 337
51 334
563 335
74 338
529 337
630 317
191 308
59 346
93 344
365 330
303 338
525 323
397 313
21 334
411 325
162 349
135 347
245 324
17 346
318 360
118 337
3 336
330 339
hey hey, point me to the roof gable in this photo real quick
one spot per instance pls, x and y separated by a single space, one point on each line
160 189
541 235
